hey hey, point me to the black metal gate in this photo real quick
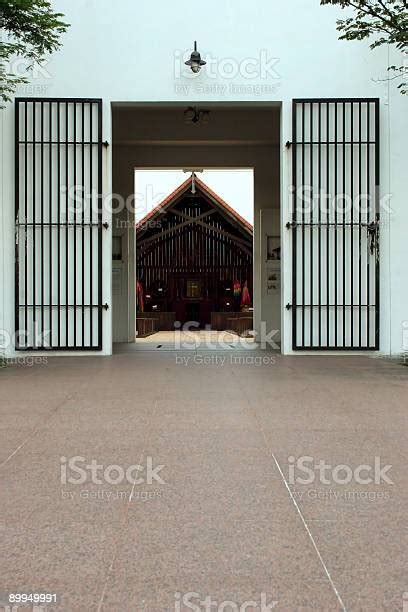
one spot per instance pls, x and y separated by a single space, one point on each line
58 186
335 224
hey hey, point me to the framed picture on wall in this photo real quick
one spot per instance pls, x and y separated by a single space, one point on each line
117 248
273 249
193 289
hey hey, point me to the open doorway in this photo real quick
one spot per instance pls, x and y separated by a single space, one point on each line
240 136
194 256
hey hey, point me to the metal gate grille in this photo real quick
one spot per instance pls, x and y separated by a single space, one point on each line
335 224
58 185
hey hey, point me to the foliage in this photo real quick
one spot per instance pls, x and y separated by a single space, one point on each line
386 21
32 31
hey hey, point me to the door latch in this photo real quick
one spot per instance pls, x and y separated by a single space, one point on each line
373 234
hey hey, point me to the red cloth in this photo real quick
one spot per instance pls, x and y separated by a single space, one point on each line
139 296
246 298
237 288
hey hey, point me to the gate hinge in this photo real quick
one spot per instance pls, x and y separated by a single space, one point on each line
288 144
291 224
105 306
105 143
288 306
105 225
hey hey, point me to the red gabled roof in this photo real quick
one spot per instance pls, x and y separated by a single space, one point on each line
164 204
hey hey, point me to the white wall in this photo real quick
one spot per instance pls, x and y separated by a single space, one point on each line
130 51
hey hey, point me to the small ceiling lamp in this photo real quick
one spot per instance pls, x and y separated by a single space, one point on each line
195 62
193 185
195 115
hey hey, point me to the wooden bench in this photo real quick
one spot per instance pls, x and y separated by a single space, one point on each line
219 320
145 326
240 325
164 319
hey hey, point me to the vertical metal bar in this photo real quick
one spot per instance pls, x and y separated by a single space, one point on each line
17 220
83 220
34 236
359 225
42 223
75 234
311 219
294 221
377 218
328 223
59 229
303 225
320 221
344 224
336 344
100 224
352 221
66 229
25 225
90 227
50 203
368 283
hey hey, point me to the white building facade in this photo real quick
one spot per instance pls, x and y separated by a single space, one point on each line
315 118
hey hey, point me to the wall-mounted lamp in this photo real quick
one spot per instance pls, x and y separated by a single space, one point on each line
195 62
